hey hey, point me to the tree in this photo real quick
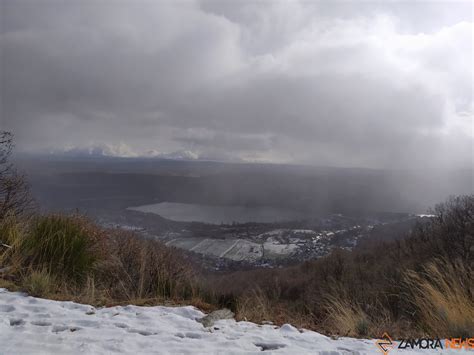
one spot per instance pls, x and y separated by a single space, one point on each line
15 198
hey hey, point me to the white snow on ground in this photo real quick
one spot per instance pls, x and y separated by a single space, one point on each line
275 249
31 325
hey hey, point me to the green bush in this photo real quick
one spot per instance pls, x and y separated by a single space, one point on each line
61 245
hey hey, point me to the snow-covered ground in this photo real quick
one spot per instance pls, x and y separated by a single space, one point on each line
31 325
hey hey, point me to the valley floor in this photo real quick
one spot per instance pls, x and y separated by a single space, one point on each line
31 325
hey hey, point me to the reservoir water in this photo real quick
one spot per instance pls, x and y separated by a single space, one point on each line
188 212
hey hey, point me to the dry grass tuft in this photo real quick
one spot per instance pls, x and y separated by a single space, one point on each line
254 306
443 296
39 283
346 319
11 238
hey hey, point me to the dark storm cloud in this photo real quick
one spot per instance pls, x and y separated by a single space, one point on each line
381 84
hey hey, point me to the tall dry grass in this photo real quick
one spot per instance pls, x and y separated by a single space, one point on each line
141 269
255 306
12 234
258 306
345 318
443 296
39 283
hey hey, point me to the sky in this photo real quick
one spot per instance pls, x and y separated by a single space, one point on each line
381 84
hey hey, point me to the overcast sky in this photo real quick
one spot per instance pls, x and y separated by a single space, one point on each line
373 84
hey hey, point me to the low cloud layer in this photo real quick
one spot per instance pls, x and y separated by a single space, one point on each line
381 84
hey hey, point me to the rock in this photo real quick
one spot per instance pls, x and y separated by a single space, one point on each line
211 318
288 328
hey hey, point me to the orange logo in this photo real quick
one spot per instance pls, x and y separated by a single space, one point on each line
385 344
459 343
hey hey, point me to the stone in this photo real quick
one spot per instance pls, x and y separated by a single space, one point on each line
211 318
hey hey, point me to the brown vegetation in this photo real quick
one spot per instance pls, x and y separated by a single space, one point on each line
68 256
418 285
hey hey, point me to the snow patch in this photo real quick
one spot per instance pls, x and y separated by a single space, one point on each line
31 325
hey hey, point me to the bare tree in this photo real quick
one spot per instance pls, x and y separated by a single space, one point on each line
15 198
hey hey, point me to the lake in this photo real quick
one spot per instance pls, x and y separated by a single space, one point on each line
188 212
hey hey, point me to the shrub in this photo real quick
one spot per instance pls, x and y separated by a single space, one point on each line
62 245
15 198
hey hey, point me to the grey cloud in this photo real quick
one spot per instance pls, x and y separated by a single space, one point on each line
199 139
380 85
